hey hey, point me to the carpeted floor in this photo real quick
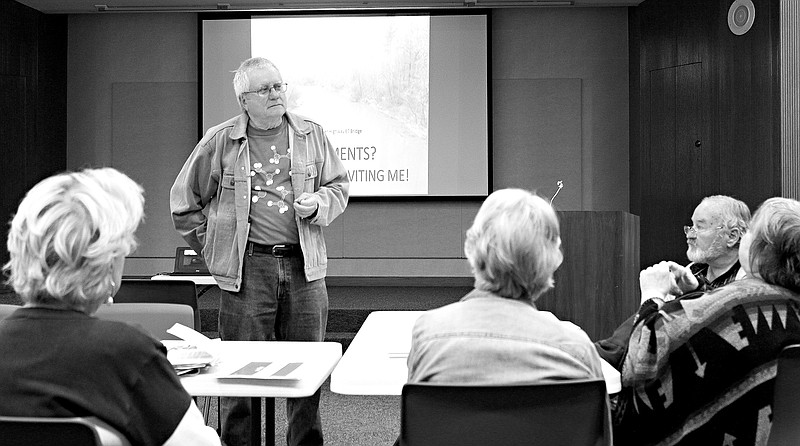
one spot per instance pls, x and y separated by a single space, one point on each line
347 420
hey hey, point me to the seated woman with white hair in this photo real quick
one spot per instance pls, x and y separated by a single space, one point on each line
67 245
495 334
701 369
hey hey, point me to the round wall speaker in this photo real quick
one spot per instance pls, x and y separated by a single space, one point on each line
741 16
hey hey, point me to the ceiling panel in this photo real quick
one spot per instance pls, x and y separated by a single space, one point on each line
107 6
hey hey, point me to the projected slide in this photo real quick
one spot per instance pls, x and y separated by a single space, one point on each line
367 82
403 97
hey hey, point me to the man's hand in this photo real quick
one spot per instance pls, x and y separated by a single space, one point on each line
305 205
658 281
683 277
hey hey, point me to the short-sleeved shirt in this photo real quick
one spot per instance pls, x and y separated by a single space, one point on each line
62 363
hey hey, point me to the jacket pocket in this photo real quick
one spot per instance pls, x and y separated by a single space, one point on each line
221 234
311 183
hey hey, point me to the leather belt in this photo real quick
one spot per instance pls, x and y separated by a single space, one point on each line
275 250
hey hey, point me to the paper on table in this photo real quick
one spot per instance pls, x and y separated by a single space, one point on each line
279 370
197 351
187 334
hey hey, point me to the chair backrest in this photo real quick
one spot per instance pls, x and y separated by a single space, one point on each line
573 413
785 404
43 431
160 291
155 318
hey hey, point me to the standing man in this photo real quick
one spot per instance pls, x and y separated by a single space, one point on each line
718 225
252 198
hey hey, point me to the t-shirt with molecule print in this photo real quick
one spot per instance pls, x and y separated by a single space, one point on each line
271 211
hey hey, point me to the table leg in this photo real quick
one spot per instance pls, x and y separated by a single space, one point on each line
203 289
269 422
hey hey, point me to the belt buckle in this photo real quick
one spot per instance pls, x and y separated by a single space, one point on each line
279 250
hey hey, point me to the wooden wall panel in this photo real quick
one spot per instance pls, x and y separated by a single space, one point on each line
50 100
735 99
13 137
638 119
597 285
790 98
33 85
746 95
674 162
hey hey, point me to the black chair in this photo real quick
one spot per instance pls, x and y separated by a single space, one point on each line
785 404
154 318
166 291
569 413
45 431
160 291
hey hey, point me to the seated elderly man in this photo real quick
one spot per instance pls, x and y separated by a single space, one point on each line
700 369
495 334
718 224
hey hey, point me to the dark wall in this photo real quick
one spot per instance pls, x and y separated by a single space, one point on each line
33 102
705 114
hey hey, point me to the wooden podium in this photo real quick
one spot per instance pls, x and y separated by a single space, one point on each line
597 285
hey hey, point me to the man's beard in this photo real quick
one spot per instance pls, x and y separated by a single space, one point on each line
715 251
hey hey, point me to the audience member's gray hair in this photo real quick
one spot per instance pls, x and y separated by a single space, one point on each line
730 212
68 231
775 247
513 245
241 77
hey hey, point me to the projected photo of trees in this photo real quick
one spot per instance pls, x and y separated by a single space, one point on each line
366 81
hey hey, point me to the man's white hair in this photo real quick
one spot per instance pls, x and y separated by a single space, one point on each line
730 212
241 77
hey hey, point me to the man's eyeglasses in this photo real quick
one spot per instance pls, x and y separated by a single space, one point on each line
264 91
692 229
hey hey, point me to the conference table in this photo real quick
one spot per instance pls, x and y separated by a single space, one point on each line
375 361
318 359
204 282
198 279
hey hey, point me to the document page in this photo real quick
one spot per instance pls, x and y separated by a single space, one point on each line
278 370
196 351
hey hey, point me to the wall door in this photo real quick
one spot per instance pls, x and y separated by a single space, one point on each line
675 158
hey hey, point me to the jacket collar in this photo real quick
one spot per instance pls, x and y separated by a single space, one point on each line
298 124
480 294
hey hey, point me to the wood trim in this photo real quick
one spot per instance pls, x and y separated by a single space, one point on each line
790 98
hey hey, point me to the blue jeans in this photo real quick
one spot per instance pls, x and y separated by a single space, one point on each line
275 303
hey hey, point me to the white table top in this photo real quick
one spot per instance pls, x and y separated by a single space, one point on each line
375 362
318 358
198 280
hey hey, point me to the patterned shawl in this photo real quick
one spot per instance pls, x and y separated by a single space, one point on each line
700 371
